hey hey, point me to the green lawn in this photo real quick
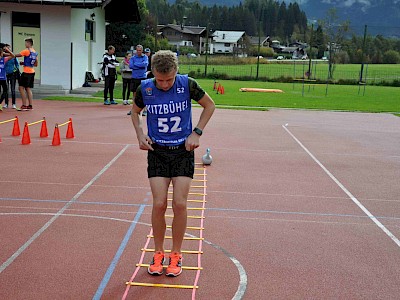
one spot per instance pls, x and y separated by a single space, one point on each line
339 97
296 69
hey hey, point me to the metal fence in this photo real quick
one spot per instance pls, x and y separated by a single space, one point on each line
294 69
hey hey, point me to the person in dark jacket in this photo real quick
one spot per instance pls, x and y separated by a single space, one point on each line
110 74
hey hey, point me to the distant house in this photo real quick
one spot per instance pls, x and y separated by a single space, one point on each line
69 35
183 35
264 41
229 42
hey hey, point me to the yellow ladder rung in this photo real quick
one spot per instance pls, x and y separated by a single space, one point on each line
183 267
169 251
189 227
196 201
189 208
194 186
161 285
199 164
168 237
199 180
199 169
189 217
196 194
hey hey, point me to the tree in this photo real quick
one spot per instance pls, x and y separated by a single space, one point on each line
335 33
391 57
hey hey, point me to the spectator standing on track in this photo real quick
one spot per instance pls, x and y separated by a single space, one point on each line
170 143
110 74
13 75
5 56
27 78
138 64
126 74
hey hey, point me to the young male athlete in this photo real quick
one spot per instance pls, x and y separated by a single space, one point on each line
170 143
28 76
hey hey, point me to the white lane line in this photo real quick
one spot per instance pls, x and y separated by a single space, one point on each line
347 192
60 212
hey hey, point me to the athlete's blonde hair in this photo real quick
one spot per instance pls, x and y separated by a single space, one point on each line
164 61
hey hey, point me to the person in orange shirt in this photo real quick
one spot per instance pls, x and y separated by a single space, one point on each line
28 76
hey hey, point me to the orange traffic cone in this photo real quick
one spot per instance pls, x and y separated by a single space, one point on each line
218 88
56 137
16 131
43 130
26 138
70 130
222 90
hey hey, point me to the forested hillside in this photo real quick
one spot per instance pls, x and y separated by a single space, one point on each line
276 19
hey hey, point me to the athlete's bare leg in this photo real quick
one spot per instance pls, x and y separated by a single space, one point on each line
179 205
159 189
23 94
29 94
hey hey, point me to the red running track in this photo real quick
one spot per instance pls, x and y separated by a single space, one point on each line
277 225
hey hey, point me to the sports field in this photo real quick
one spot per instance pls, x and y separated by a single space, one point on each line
375 73
298 205
297 96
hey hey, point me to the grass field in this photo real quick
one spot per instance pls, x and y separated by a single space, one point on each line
339 97
296 69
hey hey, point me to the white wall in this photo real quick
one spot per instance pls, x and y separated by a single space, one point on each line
61 25
220 48
81 46
54 54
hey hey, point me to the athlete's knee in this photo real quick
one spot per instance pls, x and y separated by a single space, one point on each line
160 206
179 206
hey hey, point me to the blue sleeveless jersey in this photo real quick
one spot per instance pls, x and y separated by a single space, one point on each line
3 75
29 61
169 114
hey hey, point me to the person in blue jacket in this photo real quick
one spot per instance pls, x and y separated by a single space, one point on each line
138 64
13 74
5 56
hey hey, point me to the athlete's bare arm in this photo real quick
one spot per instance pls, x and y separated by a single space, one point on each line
193 141
144 141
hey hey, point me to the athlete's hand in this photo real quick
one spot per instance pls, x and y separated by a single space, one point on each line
192 142
145 143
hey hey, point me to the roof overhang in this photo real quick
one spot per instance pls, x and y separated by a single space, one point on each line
130 13
72 3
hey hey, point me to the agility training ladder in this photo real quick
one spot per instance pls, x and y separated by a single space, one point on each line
196 203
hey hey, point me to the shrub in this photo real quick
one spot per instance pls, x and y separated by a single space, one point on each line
391 57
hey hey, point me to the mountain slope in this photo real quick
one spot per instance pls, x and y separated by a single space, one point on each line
381 16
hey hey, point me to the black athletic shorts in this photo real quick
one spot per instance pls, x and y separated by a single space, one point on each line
169 163
135 84
26 80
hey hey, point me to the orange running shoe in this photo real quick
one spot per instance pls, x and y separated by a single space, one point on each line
156 266
175 264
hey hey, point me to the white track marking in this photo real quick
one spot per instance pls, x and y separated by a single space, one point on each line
60 212
347 192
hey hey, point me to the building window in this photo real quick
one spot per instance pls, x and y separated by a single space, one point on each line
89 30
227 45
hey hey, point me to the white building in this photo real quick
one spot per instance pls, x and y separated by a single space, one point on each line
68 35
228 41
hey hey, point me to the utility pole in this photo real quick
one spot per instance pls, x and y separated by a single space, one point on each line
207 47
258 51
309 62
362 55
